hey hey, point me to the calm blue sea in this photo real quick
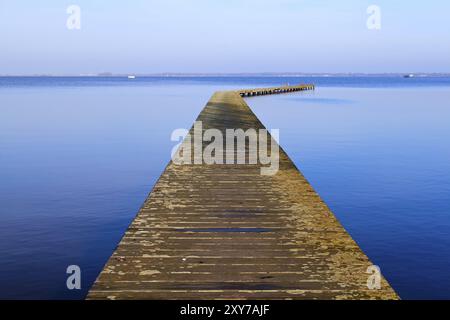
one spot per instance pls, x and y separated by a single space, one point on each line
78 156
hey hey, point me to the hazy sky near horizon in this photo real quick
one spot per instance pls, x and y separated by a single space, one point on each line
148 36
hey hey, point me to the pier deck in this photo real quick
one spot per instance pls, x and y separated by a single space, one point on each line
228 232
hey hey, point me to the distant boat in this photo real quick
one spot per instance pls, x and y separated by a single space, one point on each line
408 76
131 77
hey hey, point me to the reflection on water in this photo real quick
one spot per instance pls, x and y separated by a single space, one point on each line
79 156
317 100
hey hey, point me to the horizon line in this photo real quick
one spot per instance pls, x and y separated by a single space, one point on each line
229 74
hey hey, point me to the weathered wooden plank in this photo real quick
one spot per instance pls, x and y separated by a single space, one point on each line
224 231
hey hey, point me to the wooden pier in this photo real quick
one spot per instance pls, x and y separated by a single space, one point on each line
225 231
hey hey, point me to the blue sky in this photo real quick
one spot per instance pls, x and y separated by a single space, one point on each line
139 36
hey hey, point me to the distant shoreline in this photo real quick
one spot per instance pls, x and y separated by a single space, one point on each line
225 75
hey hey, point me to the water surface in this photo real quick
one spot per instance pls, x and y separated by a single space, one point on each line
78 156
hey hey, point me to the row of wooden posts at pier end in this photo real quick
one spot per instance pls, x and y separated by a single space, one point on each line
275 90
